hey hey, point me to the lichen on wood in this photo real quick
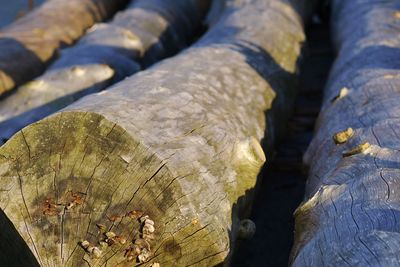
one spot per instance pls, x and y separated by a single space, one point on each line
145 32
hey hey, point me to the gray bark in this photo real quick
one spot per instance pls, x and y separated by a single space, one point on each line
29 43
147 31
350 213
178 142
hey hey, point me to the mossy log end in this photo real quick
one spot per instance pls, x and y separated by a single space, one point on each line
145 32
350 216
161 167
27 44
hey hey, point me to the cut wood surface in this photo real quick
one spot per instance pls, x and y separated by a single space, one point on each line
144 33
162 167
350 216
29 43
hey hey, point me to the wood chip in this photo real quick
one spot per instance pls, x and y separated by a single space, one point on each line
357 150
343 92
343 136
85 244
110 234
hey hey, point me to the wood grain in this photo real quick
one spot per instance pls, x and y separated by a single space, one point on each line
144 33
29 43
178 142
350 213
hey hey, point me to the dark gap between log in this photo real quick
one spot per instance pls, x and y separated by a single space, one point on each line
283 178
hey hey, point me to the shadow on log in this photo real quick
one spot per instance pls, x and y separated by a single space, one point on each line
29 43
147 31
160 168
13 249
350 213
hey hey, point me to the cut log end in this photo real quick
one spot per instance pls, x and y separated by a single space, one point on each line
63 177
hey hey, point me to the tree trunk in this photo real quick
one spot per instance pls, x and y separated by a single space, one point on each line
178 143
144 33
350 213
30 42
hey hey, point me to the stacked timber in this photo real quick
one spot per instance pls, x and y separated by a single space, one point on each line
161 168
351 211
30 42
144 33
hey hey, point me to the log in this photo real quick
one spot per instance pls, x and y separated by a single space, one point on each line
147 31
29 43
160 168
350 213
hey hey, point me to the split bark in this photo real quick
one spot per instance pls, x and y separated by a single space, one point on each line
147 31
178 143
350 213
30 42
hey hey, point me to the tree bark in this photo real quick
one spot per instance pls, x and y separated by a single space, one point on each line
178 143
30 42
350 213
144 33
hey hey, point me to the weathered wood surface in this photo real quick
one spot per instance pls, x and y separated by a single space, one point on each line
147 31
29 43
283 178
178 142
351 210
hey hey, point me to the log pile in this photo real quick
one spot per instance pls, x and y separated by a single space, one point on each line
350 213
160 168
30 42
147 31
